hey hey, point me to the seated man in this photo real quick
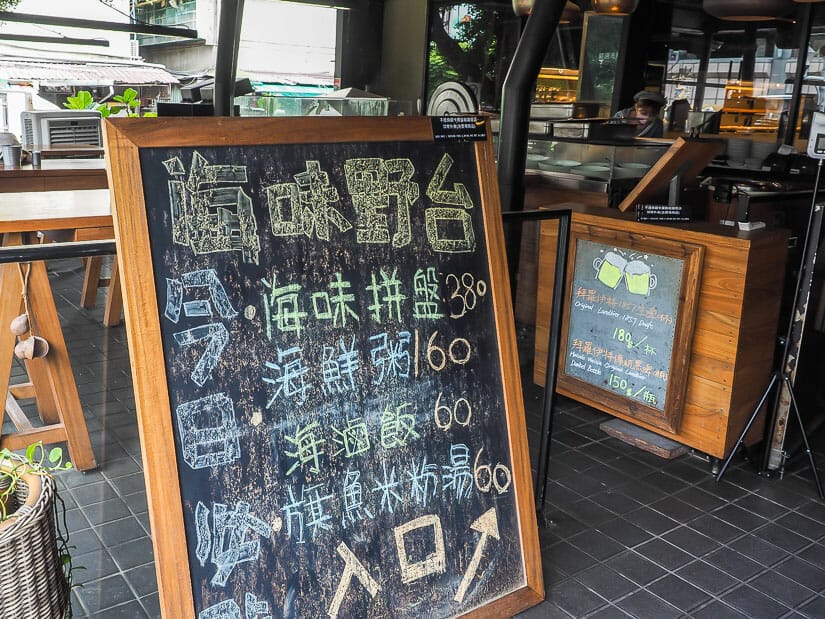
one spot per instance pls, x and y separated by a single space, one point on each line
645 114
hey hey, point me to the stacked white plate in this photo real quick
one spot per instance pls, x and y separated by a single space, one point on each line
754 163
558 165
738 150
593 170
631 169
533 161
760 150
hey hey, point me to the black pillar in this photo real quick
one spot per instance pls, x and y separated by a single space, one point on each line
515 116
226 61
358 45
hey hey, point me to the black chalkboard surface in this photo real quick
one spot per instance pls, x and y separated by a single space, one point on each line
332 377
621 328
628 322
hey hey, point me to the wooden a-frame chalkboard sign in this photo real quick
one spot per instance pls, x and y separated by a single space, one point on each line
325 369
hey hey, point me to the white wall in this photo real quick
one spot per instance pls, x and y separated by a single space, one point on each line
276 38
280 37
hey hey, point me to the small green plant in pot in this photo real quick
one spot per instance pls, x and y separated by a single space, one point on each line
128 101
35 563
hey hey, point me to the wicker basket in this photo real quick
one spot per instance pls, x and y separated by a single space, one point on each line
32 582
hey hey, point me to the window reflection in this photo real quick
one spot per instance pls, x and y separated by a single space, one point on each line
747 73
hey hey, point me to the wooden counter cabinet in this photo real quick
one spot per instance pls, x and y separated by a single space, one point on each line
732 343
55 175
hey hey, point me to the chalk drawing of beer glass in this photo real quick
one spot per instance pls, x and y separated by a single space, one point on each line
638 278
609 269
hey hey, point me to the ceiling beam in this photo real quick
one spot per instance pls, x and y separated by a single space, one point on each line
111 26
29 38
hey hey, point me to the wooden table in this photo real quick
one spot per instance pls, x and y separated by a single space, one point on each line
87 214
55 175
68 150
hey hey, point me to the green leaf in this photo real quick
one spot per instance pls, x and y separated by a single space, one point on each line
81 101
129 97
56 455
30 451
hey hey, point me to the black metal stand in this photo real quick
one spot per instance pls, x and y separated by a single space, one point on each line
54 251
553 344
782 375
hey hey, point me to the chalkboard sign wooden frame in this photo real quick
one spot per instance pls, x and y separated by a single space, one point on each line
611 350
132 147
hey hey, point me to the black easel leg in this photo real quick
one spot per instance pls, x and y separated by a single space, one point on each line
552 369
741 439
805 439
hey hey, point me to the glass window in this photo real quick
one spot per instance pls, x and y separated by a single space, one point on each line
472 43
746 73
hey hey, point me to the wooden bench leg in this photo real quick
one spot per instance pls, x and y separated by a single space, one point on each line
12 306
91 281
114 300
52 382
59 369
9 308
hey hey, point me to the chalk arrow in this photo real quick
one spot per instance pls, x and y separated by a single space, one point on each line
487 525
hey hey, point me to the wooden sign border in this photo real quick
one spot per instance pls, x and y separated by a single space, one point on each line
692 257
685 158
124 137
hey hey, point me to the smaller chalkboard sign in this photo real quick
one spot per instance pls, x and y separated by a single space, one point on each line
629 321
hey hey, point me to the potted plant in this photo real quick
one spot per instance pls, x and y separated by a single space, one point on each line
35 564
128 101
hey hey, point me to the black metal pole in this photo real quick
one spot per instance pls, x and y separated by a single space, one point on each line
801 67
791 345
552 368
515 117
793 335
804 434
553 341
741 440
229 29
55 251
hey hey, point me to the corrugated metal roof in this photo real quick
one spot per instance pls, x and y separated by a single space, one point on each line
83 73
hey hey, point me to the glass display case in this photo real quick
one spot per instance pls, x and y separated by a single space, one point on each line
326 105
606 167
595 160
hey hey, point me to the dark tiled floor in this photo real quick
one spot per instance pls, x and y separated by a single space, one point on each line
629 534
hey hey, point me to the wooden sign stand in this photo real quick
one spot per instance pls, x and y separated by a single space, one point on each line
256 252
685 159
51 381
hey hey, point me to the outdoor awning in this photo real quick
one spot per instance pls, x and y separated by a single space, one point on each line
84 73
290 90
